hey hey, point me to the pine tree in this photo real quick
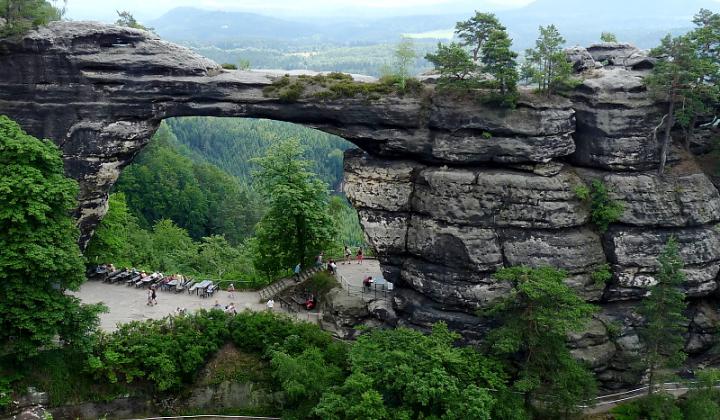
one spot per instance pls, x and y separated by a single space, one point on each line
608 37
678 80
453 63
662 311
499 61
550 67
476 31
535 320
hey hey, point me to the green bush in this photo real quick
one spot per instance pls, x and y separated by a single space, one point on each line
654 407
602 274
603 210
228 66
166 352
321 283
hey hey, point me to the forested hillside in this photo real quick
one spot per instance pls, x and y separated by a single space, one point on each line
232 143
196 195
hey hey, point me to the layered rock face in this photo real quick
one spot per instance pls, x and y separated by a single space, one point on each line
448 191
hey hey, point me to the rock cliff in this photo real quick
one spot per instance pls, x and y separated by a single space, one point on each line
448 190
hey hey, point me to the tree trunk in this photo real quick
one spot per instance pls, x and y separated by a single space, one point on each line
690 133
666 138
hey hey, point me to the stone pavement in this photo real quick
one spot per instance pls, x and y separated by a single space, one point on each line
129 303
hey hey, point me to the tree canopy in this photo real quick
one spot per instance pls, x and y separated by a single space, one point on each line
22 15
664 321
39 255
534 321
404 374
546 64
297 225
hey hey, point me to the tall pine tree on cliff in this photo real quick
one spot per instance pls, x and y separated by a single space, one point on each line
664 322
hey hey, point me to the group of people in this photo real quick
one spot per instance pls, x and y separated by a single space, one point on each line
358 255
228 309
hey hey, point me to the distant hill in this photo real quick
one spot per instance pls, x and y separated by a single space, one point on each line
642 22
366 45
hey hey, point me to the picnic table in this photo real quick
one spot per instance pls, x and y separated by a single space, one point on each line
197 287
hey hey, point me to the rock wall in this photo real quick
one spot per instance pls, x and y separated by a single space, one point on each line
448 190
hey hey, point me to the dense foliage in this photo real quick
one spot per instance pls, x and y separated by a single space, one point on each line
404 374
535 319
22 15
166 247
233 143
175 212
39 255
197 196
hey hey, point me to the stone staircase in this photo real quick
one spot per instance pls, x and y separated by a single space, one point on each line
275 288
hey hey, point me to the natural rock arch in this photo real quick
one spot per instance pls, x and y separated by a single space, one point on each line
500 183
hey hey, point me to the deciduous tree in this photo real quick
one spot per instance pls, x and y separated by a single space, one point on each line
405 56
39 254
22 15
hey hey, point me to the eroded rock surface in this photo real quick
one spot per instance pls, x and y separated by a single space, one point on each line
448 190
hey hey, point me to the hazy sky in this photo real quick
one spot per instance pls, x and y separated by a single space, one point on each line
149 9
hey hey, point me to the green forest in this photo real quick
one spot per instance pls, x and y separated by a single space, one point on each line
175 210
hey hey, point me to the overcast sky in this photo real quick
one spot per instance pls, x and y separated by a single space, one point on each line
149 9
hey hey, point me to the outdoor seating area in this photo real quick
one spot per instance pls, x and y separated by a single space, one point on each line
132 277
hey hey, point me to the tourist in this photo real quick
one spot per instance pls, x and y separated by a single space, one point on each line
296 272
319 260
230 309
231 291
270 303
348 254
367 282
149 297
153 295
332 267
359 255
310 302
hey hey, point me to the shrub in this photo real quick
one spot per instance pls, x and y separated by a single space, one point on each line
602 274
166 352
228 66
654 407
603 210
321 283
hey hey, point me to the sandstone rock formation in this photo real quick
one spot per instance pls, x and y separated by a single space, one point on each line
448 191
